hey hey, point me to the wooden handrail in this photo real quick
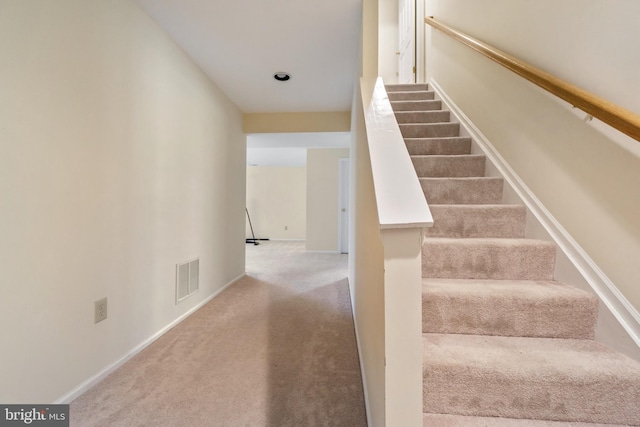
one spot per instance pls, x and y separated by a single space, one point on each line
620 118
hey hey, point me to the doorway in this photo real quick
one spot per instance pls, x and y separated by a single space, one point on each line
407 41
411 41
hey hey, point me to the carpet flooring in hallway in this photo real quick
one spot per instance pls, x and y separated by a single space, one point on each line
277 348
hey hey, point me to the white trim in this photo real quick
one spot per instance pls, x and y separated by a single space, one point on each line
89 383
362 372
324 252
618 305
400 199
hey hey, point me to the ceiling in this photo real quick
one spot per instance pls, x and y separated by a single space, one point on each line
240 44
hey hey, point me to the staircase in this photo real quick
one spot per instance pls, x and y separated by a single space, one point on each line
504 344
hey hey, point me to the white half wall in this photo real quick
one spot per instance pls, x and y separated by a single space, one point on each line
277 202
322 198
366 266
120 158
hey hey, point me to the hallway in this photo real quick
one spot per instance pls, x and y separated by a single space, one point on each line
275 349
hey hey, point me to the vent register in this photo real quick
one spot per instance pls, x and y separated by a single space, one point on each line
187 279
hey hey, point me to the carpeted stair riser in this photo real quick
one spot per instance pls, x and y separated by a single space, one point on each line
506 221
438 146
536 378
503 259
416 105
429 130
508 308
467 165
422 116
415 95
446 420
406 87
453 191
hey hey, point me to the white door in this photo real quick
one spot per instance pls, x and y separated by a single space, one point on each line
407 37
343 205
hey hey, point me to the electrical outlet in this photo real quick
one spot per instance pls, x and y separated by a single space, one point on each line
100 310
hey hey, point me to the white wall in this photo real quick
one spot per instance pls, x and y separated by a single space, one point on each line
322 198
277 199
590 183
366 253
366 269
388 41
120 158
589 44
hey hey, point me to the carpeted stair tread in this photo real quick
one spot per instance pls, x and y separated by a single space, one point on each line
436 116
463 165
545 309
507 221
445 420
438 146
429 130
404 87
488 258
414 95
536 378
474 190
416 105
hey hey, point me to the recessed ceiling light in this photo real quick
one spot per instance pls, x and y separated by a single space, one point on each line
281 76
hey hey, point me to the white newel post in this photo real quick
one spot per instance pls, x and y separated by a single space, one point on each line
403 326
402 212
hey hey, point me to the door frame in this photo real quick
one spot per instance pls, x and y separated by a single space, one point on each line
406 45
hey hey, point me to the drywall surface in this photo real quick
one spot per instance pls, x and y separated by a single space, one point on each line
366 270
590 183
277 202
322 198
120 159
388 44
331 121
369 42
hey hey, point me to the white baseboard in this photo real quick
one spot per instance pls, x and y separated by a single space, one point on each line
89 383
618 305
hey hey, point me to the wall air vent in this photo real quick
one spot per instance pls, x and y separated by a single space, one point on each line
187 279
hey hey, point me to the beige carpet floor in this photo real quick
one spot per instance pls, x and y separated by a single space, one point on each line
275 349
